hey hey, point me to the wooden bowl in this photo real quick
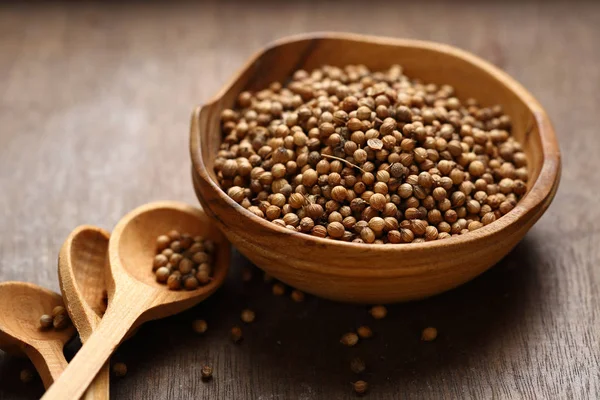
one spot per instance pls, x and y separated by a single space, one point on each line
367 273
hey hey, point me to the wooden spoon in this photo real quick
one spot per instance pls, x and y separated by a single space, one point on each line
134 295
22 306
82 264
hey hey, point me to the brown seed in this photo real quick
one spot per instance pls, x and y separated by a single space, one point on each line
199 326
162 242
360 387
236 334
349 339
297 296
26 375
278 289
46 321
119 369
203 276
59 310
429 334
174 282
248 316
357 365
335 230
190 283
206 372
364 332
162 274
378 312
61 321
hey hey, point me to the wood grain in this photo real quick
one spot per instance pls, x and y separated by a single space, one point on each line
94 116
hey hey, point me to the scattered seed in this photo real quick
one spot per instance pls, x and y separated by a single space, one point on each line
364 332
429 334
349 339
119 369
378 312
236 334
199 326
297 296
357 365
26 375
278 289
248 316
207 372
360 387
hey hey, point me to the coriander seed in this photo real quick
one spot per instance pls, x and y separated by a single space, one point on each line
278 289
61 321
349 339
360 387
206 372
364 332
236 334
357 365
199 326
248 316
378 312
46 321
429 334
297 296
119 369
26 375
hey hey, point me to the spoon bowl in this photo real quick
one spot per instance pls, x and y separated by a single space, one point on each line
134 296
23 304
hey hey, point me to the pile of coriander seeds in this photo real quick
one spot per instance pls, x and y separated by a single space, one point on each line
369 157
183 261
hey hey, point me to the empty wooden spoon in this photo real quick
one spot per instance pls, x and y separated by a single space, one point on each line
134 295
82 264
22 306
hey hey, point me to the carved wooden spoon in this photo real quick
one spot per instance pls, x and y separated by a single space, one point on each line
82 264
22 306
134 295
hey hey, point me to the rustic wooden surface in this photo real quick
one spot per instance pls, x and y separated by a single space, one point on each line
94 111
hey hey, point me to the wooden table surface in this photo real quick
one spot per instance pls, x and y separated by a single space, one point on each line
95 101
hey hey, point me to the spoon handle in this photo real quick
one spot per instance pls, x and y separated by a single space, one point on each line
48 359
100 387
124 309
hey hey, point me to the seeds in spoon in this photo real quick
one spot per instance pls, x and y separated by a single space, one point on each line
61 321
183 261
46 321
58 310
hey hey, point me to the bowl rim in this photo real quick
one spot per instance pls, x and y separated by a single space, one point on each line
544 188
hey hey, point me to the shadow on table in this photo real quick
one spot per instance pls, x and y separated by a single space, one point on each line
296 345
